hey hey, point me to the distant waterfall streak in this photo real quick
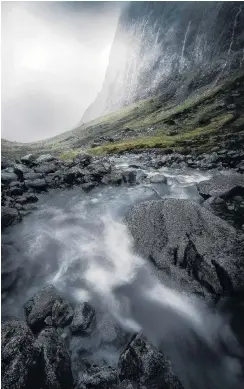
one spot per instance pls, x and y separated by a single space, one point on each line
184 44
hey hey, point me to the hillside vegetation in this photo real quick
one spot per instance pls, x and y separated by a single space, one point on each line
197 123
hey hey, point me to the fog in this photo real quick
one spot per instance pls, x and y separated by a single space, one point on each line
54 58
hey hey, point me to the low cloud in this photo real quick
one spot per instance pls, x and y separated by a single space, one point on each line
54 58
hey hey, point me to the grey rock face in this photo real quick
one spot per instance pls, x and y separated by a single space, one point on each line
98 378
45 158
196 249
8 216
28 159
82 319
20 356
141 363
56 362
38 185
222 185
46 303
8 177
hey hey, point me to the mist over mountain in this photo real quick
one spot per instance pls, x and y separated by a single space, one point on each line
171 49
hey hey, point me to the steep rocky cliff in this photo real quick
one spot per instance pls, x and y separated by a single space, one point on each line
170 49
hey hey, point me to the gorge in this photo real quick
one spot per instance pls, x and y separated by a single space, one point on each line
123 239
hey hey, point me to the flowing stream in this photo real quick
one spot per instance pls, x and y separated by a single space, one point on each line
78 242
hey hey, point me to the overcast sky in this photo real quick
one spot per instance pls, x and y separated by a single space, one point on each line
54 57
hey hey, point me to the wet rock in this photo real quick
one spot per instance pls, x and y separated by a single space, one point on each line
41 305
98 378
140 362
113 179
196 249
129 177
56 362
224 186
38 185
32 176
28 159
82 159
82 319
9 216
5 163
62 313
46 168
16 191
20 170
88 186
28 198
20 356
158 179
8 177
45 158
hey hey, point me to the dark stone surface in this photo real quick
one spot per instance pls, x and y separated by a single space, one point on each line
56 362
20 356
224 186
41 305
9 216
98 378
197 250
141 363
84 314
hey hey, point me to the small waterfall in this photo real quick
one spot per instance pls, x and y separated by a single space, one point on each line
183 46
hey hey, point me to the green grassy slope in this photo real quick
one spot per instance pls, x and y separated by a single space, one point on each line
196 122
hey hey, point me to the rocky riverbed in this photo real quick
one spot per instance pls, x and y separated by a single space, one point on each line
85 306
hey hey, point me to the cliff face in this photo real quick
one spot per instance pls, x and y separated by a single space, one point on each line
171 49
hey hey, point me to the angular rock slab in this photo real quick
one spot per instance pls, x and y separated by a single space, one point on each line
222 185
20 356
142 364
195 249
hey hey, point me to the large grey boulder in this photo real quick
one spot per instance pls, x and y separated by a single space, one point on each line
46 307
9 216
84 314
56 361
20 356
189 247
7 178
143 364
45 158
224 186
28 159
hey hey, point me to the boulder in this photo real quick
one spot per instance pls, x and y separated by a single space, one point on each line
141 363
32 176
83 317
56 361
98 378
158 179
185 242
46 168
38 185
47 302
45 158
7 178
62 313
129 177
28 159
5 163
26 199
224 186
15 191
20 356
9 216
88 186
82 159
113 179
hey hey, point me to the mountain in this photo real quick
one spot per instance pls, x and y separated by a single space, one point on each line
171 49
